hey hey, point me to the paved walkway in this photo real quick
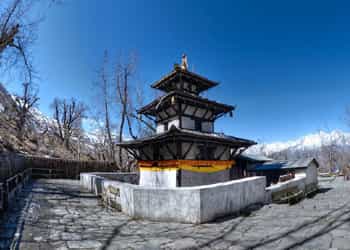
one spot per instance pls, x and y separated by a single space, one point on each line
56 214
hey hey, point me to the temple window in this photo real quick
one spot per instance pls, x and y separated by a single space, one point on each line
198 125
193 88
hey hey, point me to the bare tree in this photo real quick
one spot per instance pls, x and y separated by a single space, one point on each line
122 76
103 107
25 103
17 34
68 116
18 26
330 154
129 93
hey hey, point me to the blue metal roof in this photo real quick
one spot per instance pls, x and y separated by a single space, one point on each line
292 164
268 166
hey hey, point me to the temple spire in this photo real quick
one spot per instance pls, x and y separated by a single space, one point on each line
184 64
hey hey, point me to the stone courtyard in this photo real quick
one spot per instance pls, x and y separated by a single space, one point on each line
57 214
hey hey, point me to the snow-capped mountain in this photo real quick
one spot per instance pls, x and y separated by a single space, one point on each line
309 142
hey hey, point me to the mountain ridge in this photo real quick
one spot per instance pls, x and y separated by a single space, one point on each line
312 141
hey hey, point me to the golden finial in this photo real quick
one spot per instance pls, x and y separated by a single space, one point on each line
184 64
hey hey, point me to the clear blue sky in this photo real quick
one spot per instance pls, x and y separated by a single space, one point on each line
285 64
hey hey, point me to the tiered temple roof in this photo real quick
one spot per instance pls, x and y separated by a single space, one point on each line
178 113
167 100
180 75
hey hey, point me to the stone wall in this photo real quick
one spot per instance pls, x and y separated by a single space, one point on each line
305 180
132 178
94 181
228 197
185 204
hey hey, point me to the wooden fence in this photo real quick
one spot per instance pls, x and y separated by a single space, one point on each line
16 169
10 165
61 168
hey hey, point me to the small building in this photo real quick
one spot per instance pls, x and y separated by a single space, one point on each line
185 151
273 170
245 162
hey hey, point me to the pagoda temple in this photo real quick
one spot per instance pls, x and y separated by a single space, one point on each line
185 150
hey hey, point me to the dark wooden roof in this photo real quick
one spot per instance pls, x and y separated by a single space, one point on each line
178 73
176 134
154 107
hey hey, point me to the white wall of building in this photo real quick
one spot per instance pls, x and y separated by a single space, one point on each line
311 174
165 178
174 122
160 128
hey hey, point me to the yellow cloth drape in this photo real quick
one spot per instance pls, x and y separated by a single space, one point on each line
202 166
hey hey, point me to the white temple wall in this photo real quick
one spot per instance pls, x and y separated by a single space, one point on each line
174 122
160 128
164 178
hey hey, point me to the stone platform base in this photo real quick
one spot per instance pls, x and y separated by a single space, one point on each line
185 204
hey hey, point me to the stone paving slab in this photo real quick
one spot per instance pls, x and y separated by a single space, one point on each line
57 214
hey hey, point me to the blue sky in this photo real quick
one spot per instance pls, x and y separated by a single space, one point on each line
284 64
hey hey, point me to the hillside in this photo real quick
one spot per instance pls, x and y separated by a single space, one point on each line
40 139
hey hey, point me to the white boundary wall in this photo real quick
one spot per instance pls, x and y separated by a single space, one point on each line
185 204
305 180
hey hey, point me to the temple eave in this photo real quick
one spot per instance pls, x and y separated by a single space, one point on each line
184 135
153 107
178 72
